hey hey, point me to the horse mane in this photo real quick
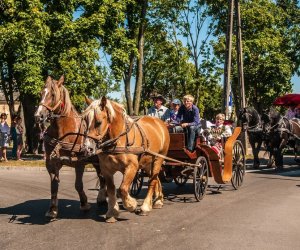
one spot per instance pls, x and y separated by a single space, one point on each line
254 114
113 108
67 104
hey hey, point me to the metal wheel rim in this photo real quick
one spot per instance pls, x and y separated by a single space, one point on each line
137 184
238 165
200 178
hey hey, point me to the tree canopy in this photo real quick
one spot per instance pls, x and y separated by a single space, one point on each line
172 47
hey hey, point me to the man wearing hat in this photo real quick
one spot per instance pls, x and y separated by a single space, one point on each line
159 110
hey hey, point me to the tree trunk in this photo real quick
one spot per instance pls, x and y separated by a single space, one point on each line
28 103
127 85
140 61
8 86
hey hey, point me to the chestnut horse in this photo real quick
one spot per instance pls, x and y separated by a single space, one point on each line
126 145
62 140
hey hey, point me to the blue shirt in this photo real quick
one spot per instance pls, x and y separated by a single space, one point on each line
191 116
172 119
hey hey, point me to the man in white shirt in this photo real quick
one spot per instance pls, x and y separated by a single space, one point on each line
159 110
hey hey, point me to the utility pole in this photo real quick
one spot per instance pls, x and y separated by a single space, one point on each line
227 65
234 17
240 53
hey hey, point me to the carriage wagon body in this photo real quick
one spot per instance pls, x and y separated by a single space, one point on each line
181 165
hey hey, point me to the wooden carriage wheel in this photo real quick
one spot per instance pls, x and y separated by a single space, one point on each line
137 183
200 179
238 164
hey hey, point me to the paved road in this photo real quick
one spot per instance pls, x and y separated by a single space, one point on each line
263 214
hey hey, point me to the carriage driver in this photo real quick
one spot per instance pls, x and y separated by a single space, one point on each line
189 118
159 110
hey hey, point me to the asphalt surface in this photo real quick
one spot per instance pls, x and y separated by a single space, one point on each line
262 214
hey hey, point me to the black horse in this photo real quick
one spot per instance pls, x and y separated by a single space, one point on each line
257 128
283 133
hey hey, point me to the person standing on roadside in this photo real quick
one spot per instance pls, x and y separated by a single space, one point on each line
4 136
20 143
13 135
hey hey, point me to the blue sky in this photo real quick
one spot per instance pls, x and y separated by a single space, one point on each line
296 84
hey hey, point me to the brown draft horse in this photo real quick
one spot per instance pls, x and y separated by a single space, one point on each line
123 144
62 140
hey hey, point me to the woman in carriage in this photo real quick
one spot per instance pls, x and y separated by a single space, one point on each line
218 134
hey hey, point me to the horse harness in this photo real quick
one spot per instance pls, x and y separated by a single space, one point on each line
110 146
287 126
255 128
60 144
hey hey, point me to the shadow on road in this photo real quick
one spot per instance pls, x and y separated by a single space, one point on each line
185 193
32 212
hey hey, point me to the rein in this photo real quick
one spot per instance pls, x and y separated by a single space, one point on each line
51 109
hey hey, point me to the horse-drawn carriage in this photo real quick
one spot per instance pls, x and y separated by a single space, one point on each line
272 129
123 144
181 165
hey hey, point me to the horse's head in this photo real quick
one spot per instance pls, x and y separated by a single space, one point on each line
244 117
51 98
98 117
275 117
278 131
249 118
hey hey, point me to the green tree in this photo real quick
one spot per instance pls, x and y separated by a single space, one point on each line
38 37
194 26
269 54
23 39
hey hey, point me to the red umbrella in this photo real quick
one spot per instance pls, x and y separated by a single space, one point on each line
288 100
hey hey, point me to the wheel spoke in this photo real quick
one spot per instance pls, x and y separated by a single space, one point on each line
238 165
200 178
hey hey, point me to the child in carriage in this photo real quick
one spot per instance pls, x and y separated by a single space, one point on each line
218 134
171 121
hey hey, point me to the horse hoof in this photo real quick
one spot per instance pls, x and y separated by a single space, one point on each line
142 213
102 203
51 215
111 220
85 207
157 206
